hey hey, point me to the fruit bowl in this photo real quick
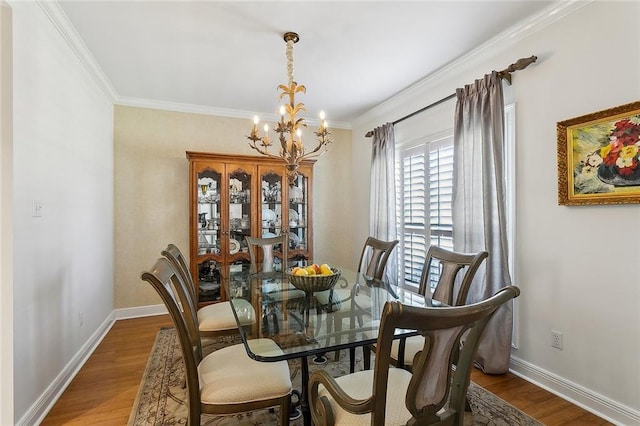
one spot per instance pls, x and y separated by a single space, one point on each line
313 283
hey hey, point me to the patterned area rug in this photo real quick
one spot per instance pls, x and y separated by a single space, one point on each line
160 396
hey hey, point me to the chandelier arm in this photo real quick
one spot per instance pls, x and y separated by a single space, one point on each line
318 151
263 151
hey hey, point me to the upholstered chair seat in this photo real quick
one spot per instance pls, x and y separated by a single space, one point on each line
358 386
412 346
228 376
218 317
283 291
213 320
340 300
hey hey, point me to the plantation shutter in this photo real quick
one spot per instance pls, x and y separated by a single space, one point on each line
414 239
427 179
440 199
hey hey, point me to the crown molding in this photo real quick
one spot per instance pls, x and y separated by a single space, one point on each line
220 112
63 25
525 28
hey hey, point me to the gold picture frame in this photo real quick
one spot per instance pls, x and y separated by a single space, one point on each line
599 157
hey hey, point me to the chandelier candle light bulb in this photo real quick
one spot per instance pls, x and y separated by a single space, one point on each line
289 131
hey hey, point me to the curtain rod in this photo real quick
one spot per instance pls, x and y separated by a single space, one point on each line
505 74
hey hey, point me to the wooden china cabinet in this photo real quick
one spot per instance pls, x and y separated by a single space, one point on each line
234 196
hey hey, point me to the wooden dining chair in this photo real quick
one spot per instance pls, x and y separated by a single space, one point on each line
453 273
373 261
226 381
262 253
216 319
395 396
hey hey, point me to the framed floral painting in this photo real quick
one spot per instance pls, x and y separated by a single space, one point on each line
599 157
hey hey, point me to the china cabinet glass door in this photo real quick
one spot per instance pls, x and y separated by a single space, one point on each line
240 220
208 229
272 216
298 219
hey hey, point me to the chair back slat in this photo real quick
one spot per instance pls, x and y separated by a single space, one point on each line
456 272
440 344
374 256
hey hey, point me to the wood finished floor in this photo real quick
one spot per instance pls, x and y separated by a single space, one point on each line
104 390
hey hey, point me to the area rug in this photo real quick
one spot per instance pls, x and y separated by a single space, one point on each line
160 399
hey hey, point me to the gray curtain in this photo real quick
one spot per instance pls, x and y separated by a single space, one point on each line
479 207
382 223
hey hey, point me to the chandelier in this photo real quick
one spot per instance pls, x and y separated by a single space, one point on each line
289 128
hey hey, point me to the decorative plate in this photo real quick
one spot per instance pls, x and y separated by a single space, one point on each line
207 286
269 215
234 246
293 215
295 193
295 241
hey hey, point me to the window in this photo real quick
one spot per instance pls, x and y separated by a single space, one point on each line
425 191
426 183
424 178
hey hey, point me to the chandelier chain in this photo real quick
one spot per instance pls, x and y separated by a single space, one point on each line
290 61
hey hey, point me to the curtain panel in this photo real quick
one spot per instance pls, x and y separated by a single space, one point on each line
382 223
479 211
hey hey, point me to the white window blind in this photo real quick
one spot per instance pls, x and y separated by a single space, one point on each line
427 178
413 208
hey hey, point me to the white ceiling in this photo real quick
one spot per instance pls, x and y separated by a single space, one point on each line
230 55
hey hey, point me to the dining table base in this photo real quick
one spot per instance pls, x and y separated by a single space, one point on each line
304 397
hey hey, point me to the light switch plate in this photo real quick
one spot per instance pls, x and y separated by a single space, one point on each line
37 208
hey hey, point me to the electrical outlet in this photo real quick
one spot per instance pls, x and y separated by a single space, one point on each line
37 208
556 339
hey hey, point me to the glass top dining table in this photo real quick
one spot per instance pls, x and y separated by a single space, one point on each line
312 324
305 324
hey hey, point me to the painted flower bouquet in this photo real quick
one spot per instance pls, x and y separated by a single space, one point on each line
618 162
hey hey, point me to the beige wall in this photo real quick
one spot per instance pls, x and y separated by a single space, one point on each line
151 190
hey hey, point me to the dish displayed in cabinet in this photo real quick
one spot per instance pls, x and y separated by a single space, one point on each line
234 246
295 194
294 240
269 215
208 286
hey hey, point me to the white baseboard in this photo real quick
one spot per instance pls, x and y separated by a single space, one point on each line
37 412
39 409
140 311
599 405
